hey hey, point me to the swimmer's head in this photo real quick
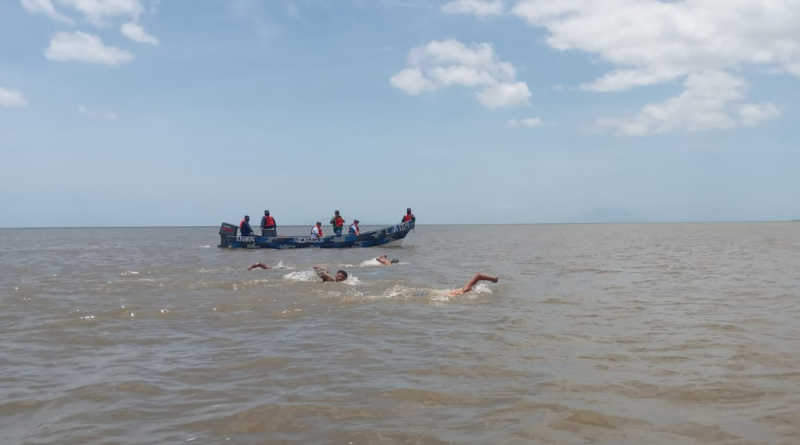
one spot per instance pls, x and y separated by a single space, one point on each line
395 261
341 275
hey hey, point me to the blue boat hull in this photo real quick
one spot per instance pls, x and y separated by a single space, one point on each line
392 235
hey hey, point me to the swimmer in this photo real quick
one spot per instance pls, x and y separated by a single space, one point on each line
468 287
259 265
326 275
382 259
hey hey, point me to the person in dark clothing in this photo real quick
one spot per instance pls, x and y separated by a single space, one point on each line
244 227
267 223
408 216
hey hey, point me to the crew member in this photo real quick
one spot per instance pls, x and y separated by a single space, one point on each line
316 231
244 227
338 223
354 230
267 223
409 216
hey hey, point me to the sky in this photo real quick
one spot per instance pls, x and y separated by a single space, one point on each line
190 113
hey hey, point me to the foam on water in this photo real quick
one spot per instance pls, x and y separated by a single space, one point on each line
302 275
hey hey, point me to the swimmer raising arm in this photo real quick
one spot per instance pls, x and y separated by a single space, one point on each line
326 275
468 287
259 265
382 259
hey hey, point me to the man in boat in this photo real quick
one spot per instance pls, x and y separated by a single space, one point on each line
244 227
473 281
382 259
327 277
338 223
408 216
354 230
267 223
316 231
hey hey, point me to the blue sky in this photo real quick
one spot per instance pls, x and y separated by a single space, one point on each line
183 112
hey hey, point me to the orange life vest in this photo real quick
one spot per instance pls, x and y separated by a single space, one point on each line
269 221
408 217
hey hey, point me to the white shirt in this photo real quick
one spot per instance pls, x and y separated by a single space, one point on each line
315 232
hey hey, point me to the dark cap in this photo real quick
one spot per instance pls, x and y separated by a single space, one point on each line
266 212
246 216
408 209
337 211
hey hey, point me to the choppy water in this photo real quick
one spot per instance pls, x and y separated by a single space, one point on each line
608 334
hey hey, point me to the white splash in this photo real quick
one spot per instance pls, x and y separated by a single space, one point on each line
280 265
303 275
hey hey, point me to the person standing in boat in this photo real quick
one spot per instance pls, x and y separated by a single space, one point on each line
244 227
338 223
408 216
316 231
267 224
354 230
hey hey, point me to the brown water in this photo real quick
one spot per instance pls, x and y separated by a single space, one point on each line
603 334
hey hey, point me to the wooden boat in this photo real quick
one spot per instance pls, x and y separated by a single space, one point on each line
386 236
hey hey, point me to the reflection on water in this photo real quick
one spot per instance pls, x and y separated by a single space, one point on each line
634 334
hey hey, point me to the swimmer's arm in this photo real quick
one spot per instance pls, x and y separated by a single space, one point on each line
323 273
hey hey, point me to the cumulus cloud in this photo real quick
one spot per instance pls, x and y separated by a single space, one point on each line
651 41
477 7
65 46
137 33
98 12
111 116
441 64
709 101
532 122
11 98
44 7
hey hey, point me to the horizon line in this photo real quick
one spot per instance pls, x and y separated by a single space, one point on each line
430 224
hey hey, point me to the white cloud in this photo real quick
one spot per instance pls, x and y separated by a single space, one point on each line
441 64
95 115
477 7
505 95
708 102
98 11
137 33
530 122
412 81
84 47
652 41
751 115
44 7
11 98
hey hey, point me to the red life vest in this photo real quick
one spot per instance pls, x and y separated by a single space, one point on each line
338 221
241 224
408 217
269 221
321 235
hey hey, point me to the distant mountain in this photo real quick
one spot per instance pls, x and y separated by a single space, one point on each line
603 215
